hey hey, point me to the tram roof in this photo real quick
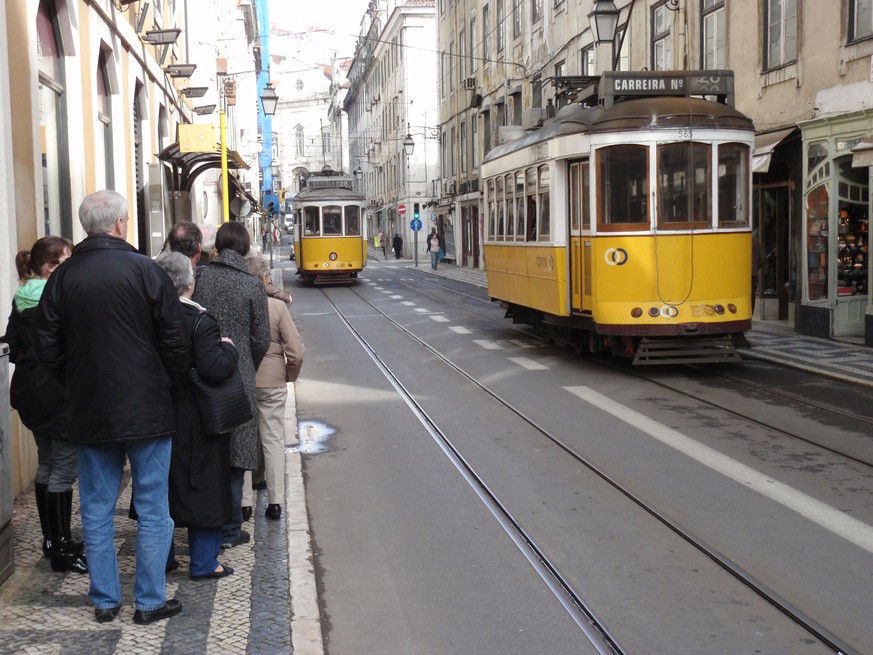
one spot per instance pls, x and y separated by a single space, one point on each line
630 115
326 194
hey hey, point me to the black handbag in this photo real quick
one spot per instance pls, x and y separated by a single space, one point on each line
223 406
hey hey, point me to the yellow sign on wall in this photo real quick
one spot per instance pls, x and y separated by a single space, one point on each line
197 138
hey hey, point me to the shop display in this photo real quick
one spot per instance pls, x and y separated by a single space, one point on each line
852 250
817 243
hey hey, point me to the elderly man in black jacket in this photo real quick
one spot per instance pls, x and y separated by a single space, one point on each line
111 324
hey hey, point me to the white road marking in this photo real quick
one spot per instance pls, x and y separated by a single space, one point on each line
830 518
523 343
529 364
396 297
459 329
439 318
487 345
422 310
408 303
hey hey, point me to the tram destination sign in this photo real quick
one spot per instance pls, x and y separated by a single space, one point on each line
642 84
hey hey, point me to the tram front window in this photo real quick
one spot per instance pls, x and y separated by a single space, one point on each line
353 221
684 182
311 223
733 185
333 220
623 184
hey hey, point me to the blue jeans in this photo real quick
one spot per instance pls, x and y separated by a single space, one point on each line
203 546
230 532
100 469
434 258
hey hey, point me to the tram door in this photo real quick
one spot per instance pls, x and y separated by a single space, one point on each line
579 214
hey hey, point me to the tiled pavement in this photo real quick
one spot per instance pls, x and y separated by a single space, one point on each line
251 611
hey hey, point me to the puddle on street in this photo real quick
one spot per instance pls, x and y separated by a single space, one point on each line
312 436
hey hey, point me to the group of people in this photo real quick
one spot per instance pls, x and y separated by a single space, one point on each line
381 241
102 338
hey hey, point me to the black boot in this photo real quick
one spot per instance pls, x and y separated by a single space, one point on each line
40 491
65 557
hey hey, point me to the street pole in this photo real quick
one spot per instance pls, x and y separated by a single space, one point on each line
415 249
225 189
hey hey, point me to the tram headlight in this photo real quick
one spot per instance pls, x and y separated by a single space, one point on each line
719 309
654 312
732 308
636 312
332 256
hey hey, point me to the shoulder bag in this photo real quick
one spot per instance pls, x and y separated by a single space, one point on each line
223 406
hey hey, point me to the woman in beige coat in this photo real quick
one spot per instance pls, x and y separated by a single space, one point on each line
280 365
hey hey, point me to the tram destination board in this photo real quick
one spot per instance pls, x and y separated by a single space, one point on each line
642 84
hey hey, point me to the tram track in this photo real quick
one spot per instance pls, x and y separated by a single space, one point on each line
572 600
647 375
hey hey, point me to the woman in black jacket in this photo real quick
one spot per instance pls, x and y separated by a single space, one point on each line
40 398
199 487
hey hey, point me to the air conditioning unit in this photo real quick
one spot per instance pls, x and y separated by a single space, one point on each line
469 83
451 188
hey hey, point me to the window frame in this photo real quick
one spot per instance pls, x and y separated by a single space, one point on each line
662 41
713 10
784 57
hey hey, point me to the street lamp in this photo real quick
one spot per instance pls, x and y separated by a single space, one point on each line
162 37
604 21
269 100
408 145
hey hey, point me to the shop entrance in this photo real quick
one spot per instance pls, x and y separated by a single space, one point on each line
776 285
853 198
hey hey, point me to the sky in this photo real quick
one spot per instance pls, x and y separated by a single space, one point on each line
340 16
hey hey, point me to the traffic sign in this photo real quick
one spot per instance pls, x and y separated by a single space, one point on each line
401 209
415 224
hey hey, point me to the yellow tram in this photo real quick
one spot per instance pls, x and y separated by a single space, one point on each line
625 227
330 242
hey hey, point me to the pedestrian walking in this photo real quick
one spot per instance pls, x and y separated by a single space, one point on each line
434 247
40 398
281 365
397 245
111 323
383 240
199 490
239 303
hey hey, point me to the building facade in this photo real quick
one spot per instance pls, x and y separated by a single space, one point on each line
803 74
92 96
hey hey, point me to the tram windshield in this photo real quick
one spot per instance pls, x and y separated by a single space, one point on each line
353 221
333 220
623 173
312 225
733 185
684 182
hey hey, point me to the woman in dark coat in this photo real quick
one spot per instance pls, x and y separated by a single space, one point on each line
238 301
199 489
40 398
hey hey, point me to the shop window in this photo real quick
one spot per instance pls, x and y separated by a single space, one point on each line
733 185
623 173
684 180
817 205
852 229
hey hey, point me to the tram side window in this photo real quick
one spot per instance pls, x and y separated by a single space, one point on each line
545 230
311 217
492 211
353 221
684 181
531 205
519 206
333 220
623 184
499 234
733 185
510 208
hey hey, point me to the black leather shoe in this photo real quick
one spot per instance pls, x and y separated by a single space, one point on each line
170 608
246 512
273 512
107 614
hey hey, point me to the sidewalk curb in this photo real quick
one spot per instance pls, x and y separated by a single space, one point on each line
306 633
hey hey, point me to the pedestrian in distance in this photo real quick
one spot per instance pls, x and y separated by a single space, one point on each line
397 245
200 496
239 303
39 396
280 366
383 240
111 323
434 247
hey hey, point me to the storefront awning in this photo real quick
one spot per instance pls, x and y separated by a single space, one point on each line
188 165
862 153
765 144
